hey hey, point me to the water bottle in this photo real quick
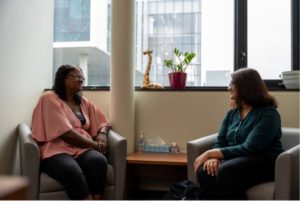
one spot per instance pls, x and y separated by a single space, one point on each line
141 143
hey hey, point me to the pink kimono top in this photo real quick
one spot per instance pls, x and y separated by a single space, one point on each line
52 117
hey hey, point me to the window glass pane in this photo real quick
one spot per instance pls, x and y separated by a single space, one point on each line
82 38
269 37
202 26
72 20
163 25
217 42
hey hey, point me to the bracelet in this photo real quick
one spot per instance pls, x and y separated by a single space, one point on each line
99 146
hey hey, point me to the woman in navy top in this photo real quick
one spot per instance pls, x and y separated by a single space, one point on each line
248 142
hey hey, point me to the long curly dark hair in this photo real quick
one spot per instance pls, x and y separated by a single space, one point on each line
59 82
251 89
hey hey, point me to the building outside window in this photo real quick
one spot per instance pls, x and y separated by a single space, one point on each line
82 37
161 26
72 21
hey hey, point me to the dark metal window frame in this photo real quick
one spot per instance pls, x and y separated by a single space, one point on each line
240 34
240 38
295 34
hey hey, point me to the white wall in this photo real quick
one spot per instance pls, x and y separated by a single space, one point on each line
25 69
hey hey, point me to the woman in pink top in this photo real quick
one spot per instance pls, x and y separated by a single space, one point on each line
72 136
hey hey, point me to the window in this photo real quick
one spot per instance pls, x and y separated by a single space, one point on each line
224 34
261 39
269 37
217 44
161 26
72 21
202 26
82 38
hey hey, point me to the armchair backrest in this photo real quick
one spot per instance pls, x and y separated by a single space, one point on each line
117 158
194 149
29 160
290 137
287 166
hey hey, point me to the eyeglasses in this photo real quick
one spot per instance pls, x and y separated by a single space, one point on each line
77 77
230 87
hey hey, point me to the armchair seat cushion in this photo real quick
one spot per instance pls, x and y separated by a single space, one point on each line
51 185
48 184
263 191
110 175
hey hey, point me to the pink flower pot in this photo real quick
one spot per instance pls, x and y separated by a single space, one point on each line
177 80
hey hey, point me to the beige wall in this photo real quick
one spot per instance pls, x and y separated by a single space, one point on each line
99 98
183 116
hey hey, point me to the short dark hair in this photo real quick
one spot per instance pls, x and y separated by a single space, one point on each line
59 82
251 89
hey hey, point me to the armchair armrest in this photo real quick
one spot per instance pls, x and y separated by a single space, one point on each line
29 160
194 149
287 175
117 158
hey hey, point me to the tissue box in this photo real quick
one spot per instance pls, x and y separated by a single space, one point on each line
157 148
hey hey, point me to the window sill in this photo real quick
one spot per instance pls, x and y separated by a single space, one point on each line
187 89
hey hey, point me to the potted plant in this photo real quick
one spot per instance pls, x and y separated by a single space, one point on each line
177 76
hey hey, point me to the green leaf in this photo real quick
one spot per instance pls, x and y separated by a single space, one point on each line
184 60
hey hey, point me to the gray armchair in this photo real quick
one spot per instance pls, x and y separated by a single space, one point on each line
286 184
43 187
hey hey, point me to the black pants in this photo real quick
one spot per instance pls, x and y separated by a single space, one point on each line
80 176
235 176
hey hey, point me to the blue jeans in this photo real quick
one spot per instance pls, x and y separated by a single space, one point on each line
235 176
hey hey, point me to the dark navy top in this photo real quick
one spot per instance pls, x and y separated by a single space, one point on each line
81 117
259 133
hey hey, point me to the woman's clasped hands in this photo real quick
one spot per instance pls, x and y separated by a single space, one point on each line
102 144
210 161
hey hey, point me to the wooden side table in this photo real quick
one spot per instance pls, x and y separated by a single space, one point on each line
155 166
13 188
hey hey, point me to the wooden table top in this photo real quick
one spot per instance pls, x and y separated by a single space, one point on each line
9 185
179 159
